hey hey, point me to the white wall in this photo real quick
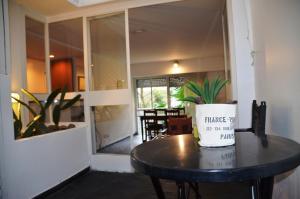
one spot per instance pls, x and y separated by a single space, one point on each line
6 127
276 28
17 46
33 165
108 71
2 44
242 73
185 66
4 87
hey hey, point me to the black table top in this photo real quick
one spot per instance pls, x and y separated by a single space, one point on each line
181 158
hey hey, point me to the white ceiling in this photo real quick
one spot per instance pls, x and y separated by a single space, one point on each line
175 31
172 31
55 7
48 7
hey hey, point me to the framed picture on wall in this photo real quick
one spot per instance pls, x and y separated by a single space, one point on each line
81 83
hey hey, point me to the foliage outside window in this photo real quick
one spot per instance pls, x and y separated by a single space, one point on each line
159 92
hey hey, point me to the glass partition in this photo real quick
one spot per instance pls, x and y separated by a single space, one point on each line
66 55
37 109
108 53
110 126
75 113
35 52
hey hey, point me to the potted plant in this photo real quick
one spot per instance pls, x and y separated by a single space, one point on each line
215 122
37 125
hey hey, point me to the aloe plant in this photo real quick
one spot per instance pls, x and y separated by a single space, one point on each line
37 125
205 93
43 107
32 128
18 125
63 105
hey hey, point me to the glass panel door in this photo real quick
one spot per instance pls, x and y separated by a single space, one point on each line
111 104
108 53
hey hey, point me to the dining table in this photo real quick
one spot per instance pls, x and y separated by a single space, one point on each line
250 159
162 118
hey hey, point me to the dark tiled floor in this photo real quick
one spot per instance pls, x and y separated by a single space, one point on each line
105 185
123 146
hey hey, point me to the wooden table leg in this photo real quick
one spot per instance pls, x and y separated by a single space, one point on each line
181 190
142 129
158 189
195 188
263 188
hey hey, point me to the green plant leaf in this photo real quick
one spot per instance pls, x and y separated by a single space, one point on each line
15 115
212 89
62 96
56 115
71 102
31 126
17 125
207 92
26 105
195 88
31 96
179 93
190 99
51 98
206 97
220 84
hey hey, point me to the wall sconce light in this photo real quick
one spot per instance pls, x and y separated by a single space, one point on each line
51 56
176 64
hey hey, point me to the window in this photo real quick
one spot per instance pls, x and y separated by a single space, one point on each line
35 52
144 93
174 85
158 92
66 55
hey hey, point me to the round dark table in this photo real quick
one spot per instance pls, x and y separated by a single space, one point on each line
254 159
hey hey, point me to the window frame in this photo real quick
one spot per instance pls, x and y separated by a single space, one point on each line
167 77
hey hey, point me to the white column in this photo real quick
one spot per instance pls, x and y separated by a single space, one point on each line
242 72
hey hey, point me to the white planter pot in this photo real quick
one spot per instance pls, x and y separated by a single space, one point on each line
215 123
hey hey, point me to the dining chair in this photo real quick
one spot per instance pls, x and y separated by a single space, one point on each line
178 126
152 127
181 110
172 112
258 119
160 111
258 123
